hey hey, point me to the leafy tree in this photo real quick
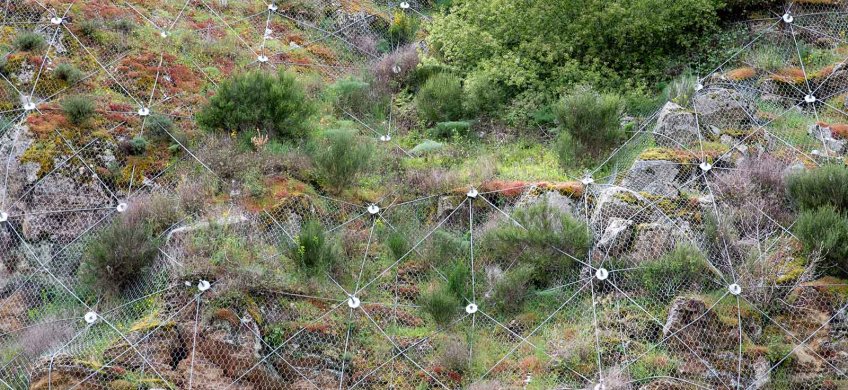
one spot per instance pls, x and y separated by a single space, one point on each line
276 104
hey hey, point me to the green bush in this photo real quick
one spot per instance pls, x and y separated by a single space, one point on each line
29 41
681 90
483 95
441 304
683 268
440 98
341 157
314 252
824 231
450 130
511 291
355 97
402 29
459 278
138 145
548 239
78 109
397 244
824 186
275 104
68 73
446 247
592 122
158 126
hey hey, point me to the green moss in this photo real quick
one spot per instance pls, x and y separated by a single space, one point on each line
42 153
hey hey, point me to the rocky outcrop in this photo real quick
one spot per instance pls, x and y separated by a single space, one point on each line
620 202
825 135
676 126
723 108
54 207
656 177
617 237
653 240
13 143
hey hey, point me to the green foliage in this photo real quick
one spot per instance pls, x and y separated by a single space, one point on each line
824 230
138 145
440 98
548 239
355 97
78 109
510 292
528 49
592 122
459 277
682 268
397 244
29 41
447 247
68 73
158 126
681 90
824 186
426 147
314 252
767 57
441 304
402 29
483 94
275 104
341 157
451 130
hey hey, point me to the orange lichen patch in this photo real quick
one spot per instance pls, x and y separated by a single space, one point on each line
824 72
44 125
279 188
838 130
507 188
739 74
227 315
324 53
791 75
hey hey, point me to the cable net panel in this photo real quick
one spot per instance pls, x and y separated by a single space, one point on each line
671 265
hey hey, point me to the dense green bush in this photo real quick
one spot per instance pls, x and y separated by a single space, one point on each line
274 104
138 145
548 239
590 124
29 41
78 109
440 98
68 73
315 252
397 244
824 186
459 278
341 157
355 97
824 231
158 126
511 290
450 130
683 268
612 44
402 29
483 95
441 304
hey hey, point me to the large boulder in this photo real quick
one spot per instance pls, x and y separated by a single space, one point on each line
824 134
61 207
676 126
616 238
723 108
14 175
656 177
619 202
653 240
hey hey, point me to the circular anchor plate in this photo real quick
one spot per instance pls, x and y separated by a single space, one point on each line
734 289
353 302
602 274
90 317
471 308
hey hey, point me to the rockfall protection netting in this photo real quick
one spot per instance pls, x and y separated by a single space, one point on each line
427 292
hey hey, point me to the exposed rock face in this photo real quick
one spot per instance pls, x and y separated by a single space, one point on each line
13 143
619 202
657 177
653 240
616 238
556 201
824 134
64 372
676 126
43 206
723 108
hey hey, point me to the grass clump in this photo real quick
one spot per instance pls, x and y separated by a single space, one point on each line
681 90
440 98
824 230
511 290
441 304
78 109
68 73
590 124
682 268
824 186
29 41
276 104
314 251
341 156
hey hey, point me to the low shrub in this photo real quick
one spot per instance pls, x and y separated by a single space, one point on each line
158 126
275 104
78 109
314 252
440 98
824 186
682 269
510 292
441 304
459 278
395 69
451 130
356 97
68 73
397 244
548 239
483 95
341 157
402 29
29 41
681 90
824 231
590 123
138 145
454 354
446 247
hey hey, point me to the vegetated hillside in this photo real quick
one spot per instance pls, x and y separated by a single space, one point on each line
351 194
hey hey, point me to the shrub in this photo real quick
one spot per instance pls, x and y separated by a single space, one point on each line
459 277
825 230
78 109
275 104
355 97
681 90
341 157
824 186
138 145
402 29
397 244
592 121
454 354
314 252
29 41
483 95
440 98
545 233
68 73
511 290
406 60
446 247
158 126
441 304
447 130
682 268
